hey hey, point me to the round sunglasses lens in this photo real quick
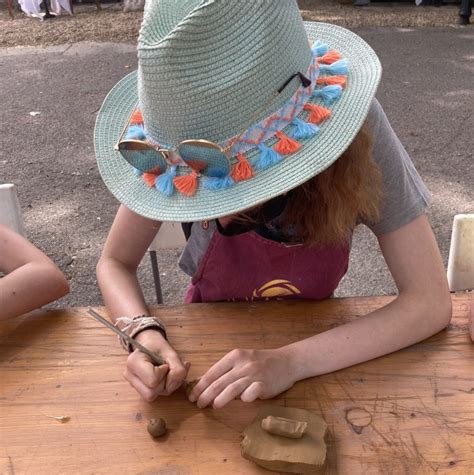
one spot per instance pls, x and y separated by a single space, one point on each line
142 157
205 158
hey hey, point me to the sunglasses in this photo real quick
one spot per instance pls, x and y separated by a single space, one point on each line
202 156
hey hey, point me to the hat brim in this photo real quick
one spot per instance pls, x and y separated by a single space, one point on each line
317 153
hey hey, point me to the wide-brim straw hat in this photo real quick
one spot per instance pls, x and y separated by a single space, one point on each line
206 67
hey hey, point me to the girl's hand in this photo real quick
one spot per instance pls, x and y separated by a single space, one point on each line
248 374
152 381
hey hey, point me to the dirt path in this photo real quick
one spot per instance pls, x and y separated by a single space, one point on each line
111 24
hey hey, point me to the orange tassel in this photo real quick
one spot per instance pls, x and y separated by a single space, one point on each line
186 184
149 179
136 118
330 57
242 170
332 80
317 114
286 145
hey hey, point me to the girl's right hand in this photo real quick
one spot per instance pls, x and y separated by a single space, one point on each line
152 381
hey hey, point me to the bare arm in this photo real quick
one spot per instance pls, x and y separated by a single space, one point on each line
32 279
125 247
422 308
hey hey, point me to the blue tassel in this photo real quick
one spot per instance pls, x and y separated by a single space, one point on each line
217 172
335 69
137 172
320 49
164 182
303 130
216 183
267 158
135 132
328 94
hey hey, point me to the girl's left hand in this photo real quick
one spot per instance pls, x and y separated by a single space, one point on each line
245 374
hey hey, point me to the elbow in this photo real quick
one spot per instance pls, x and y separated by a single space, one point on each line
430 311
104 267
445 310
439 311
108 265
63 286
58 284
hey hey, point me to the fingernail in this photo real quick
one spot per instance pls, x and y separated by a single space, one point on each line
192 398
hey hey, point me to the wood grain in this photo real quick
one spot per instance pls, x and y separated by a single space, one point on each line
411 412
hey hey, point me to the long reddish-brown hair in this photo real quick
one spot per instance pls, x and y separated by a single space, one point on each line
327 208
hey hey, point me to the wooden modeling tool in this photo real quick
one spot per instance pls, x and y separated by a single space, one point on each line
154 357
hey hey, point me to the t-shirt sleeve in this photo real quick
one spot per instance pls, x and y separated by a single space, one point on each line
405 196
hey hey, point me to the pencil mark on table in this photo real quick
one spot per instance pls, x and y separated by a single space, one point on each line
419 455
10 466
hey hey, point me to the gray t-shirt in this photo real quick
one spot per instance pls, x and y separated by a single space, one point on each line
405 195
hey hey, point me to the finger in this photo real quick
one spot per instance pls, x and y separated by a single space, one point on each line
141 366
177 373
253 392
217 387
216 371
231 392
149 394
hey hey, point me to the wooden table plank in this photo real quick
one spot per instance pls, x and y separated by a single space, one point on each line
408 412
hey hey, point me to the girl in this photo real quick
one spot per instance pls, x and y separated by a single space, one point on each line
262 131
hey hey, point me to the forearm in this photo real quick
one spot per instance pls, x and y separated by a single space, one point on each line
399 324
29 287
120 289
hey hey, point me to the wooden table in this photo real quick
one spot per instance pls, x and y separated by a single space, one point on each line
411 412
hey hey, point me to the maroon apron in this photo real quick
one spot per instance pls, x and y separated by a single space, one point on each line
250 267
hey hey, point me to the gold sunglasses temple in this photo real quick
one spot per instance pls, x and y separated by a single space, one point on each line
304 81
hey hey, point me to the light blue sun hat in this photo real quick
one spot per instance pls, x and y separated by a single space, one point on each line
279 99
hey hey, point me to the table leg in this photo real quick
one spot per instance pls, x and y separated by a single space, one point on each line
465 12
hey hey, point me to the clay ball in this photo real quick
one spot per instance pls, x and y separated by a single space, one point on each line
156 427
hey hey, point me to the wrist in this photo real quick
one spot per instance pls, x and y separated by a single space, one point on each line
149 337
293 362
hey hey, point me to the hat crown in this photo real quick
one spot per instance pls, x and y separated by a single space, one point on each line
207 67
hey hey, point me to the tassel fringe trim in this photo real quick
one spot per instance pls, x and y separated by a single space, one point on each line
330 84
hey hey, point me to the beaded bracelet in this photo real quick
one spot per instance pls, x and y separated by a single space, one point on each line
133 326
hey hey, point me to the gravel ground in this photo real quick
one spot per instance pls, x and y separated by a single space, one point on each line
111 24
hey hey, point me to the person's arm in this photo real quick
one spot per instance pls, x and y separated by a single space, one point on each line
32 279
422 308
126 244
